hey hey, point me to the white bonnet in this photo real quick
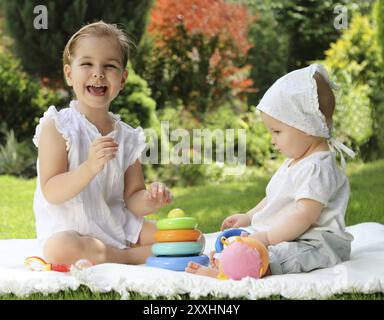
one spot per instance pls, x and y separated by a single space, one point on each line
293 100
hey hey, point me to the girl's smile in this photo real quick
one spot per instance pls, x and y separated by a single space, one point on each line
97 90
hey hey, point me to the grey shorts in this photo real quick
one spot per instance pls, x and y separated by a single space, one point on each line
312 250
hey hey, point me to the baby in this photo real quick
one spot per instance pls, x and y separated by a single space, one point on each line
301 218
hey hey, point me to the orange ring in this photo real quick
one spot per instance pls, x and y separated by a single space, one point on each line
177 235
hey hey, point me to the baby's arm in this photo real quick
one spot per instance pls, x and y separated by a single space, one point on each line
258 208
57 183
242 219
290 226
138 199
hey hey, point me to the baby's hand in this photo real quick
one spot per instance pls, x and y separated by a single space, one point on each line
100 152
236 221
261 236
159 193
213 261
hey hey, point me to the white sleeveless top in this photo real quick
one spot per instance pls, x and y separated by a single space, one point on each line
99 209
315 177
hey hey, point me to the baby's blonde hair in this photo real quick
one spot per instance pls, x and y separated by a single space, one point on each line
326 98
98 29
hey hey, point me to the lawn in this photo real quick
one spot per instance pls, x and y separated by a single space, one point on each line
208 203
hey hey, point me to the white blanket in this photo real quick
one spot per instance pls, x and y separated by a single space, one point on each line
364 273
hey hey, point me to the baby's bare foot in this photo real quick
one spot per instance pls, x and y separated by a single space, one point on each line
201 270
83 264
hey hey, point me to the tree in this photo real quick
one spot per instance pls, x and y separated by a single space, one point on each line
356 64
22 99
380 24
40 50
310 26
268 55
196 53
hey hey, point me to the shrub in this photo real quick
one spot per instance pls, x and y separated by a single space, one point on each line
356 63
134 103
40 50
269 52
195 51
380 24
16 158
309 25
228 116
22 99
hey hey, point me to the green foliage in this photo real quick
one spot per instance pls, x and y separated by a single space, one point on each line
134 104
259 147
380 24
40 51
269 52
196 56
16 158
289 34
356 64
231 116
310 26
22 99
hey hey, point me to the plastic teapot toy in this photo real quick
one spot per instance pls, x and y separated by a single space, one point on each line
241 257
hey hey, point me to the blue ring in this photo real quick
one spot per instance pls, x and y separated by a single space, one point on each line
227 234
183 248
175 263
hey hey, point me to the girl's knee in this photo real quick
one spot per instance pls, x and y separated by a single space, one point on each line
63 247
147 232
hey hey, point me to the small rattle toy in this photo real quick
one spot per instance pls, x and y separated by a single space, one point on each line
243 257
35 263
39 264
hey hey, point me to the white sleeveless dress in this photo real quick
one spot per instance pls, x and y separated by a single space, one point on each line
99 209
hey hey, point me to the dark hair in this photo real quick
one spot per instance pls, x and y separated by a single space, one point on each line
326 98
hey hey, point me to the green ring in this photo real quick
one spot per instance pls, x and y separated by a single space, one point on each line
177 223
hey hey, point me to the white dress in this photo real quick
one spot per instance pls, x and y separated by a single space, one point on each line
99 209
315 177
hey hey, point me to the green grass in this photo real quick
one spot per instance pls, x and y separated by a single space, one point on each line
209 203
16 208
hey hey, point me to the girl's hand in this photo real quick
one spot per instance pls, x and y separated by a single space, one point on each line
100 152
236 221
159 194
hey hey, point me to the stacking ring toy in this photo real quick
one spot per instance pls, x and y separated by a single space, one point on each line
177 223
176 248
175 263
177 235
224 235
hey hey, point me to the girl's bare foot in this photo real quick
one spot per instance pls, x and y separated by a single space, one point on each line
201 270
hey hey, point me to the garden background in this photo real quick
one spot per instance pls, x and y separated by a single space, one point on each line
198 64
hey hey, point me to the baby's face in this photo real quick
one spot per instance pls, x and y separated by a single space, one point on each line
290 141
96 71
